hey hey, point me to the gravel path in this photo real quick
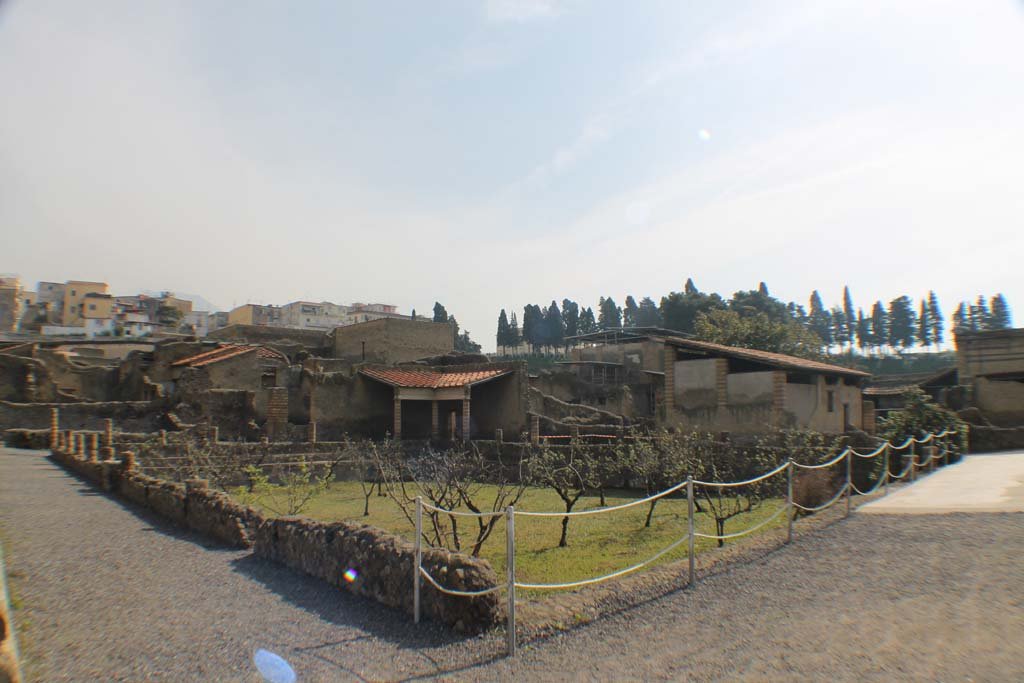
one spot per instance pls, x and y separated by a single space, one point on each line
112 594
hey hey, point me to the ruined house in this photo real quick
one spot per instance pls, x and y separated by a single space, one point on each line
887 391
991 367
688 384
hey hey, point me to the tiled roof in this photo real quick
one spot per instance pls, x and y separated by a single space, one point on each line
430 379
225 352
779 360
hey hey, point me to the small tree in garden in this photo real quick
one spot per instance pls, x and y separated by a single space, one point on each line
718 462
299 486
658 464
569 472
450 480
919 416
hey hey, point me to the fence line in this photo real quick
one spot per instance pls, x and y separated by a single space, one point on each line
510 513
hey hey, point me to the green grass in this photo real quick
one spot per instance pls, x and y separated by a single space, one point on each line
597 544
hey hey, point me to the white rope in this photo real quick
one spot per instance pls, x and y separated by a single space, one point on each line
466 594
878 485
823 465
460 513
822 507
743 533
906 443
595 511
872 454
906 471
778 469
925 439
599 579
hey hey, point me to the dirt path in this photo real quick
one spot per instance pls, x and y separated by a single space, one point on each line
113 595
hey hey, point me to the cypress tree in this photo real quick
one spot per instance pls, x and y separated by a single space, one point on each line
938 325
503 331
879 325
924 325
1001 317
851 318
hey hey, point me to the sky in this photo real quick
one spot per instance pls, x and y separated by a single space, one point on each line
496 153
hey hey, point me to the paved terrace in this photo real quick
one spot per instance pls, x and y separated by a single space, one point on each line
111 594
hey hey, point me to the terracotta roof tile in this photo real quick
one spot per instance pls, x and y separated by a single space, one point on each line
225 352
780 360
430 379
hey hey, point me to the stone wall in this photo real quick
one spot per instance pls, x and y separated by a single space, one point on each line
383 565
560 411
984 438
392 340
130 415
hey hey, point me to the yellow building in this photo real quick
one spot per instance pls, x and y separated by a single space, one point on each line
97 306
255 314
75 292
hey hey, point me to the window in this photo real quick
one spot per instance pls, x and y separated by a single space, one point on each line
269 378
72 292
831 401
92 307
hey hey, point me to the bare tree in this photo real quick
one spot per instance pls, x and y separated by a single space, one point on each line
569 472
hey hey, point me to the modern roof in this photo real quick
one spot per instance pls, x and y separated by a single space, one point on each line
779 360
431 379
622 334
225 352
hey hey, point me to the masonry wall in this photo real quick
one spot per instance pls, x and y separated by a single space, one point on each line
392 340
1001 401
137 416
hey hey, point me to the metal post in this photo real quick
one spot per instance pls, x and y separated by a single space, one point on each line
885 472
690 506
849 480
510 549
913 461
945 448
789 500
418 543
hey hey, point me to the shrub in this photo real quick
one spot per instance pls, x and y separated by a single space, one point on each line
812 488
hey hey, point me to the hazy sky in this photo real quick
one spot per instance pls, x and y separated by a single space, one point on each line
493 154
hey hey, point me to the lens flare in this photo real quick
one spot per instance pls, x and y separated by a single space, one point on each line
704 134
351 575
273 668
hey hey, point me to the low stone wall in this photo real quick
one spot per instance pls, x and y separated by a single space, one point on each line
982 438
195 507
383 566
133 415
38 439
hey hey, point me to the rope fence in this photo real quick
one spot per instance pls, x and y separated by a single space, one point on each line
790 508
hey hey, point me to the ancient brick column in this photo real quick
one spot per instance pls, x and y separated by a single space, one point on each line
452 425
435 424
535 429
94 447
396 430
311 432
465 419
722 382
128 461
778 396
214 434
277 412
108 440
69 441
670 381
163 437
80 445
867 417
54 428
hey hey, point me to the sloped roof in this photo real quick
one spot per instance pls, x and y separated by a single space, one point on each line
224 352
779 360
893 385
430 379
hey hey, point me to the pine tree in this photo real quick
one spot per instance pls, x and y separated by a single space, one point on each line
503 331
902 322
1001 318
863 330
851 318
413 314
588 324
938 326
840 333
879 326
648 314
609 314
629 312
924 325
819 319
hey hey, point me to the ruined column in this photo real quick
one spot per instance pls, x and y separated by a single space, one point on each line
214 434
452 422
435 425
163 437
397 427
80 445
128 461
465 419
499 436
94 447
54 428
669 363
722 382
778 396
311 432
535 429
107 453
69 442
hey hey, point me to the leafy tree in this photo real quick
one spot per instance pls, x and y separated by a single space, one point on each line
918 417
609 314
758 331
879 325
502 336
758 301
819 319
629 312
938 326
902 322
1001 318
571 317
924 324
679 311
168 315
648 314
440 314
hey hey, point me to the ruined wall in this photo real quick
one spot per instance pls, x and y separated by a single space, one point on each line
744 388
25 379
695 384
138 416
289 341
383 564
1002 401
349 403
392 340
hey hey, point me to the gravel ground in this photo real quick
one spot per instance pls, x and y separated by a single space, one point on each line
113 594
